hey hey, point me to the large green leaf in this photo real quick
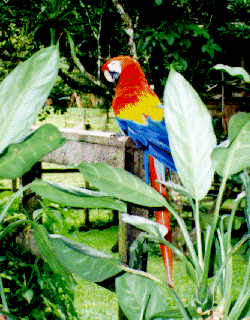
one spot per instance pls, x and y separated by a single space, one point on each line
23 93
234 156
139 297
191 135
234 71
120 184
19 158
88 263
75 197
46 248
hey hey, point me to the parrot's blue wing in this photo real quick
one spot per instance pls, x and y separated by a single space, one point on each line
152 138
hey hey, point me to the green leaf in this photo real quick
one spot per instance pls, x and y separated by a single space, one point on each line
151 227
234 71
232 157
23 93
245 313
28 295
139 297
46 249
158 2
120 184
89 264
19 158
191 135
75 197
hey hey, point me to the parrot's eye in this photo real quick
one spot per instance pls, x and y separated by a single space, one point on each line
115 66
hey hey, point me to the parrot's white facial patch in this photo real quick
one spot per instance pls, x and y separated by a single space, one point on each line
114 71
115 66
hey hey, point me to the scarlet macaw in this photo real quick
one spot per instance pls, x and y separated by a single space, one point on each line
139 113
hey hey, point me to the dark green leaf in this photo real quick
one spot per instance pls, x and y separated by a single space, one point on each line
170 38
120 184
88 263
139 297
232 157
209 49
46 249
19 158
75 197
23 93
158 2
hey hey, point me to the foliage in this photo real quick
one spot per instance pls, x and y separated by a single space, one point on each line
196 158
34 291
193 35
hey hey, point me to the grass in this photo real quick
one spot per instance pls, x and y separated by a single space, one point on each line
92 301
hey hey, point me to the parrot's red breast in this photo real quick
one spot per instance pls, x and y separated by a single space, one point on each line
134 99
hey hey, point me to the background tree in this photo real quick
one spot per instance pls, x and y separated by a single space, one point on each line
193 35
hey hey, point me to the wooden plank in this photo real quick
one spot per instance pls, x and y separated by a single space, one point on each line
89 146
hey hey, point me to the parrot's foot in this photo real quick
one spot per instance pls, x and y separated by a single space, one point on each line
117 135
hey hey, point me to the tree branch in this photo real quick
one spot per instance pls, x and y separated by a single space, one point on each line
87 75
128 29
100 91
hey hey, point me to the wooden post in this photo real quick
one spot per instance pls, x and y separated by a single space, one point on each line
134 163
30 201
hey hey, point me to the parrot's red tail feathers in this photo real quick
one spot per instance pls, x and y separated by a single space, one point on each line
162 216
167 256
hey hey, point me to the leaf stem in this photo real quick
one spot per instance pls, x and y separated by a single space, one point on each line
190 268
203 286
229 255
244 290
186 237
198 232
52 36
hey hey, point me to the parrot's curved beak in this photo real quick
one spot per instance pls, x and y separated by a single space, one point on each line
112 70
111 76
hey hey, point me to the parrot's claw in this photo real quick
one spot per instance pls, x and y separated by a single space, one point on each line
117 135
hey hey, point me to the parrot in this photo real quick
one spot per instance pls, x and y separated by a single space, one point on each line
139 114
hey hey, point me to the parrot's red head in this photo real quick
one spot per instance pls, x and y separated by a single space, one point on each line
132 90
124 66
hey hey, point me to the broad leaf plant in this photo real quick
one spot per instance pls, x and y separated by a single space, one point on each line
193 145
